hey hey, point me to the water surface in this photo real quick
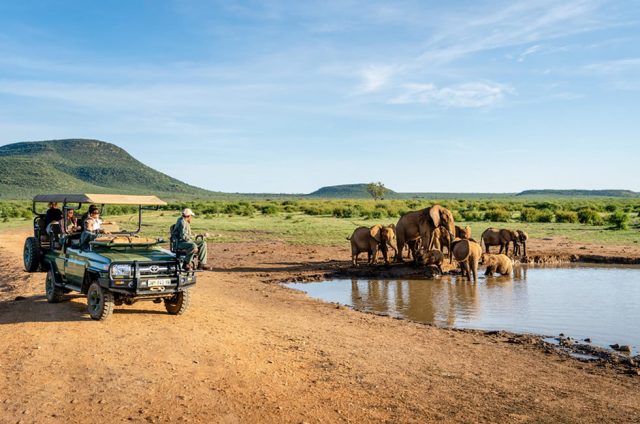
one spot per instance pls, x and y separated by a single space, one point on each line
601 303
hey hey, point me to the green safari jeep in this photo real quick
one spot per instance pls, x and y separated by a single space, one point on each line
114 268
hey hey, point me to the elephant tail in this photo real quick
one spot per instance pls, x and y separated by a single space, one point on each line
348 238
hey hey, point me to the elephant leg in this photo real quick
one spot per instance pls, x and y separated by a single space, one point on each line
474 269
506 248
400 242
501 248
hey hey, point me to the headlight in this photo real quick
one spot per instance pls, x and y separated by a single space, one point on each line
121 271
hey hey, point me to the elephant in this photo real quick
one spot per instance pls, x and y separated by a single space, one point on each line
413 246
442 239
499 237
421 224
431 257
522 239
467 253
371 240
501 264
463 233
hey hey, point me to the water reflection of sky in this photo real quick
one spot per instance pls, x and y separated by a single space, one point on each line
600 303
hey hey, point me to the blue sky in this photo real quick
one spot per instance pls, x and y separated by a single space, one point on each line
289 96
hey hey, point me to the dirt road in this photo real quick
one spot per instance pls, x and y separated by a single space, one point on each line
248 351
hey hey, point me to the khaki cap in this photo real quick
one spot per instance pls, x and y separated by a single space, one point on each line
188 212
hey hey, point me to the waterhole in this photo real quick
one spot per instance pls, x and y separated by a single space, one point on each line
583 302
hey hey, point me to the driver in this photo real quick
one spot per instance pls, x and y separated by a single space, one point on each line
185 240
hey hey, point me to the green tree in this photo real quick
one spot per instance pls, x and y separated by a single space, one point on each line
377 190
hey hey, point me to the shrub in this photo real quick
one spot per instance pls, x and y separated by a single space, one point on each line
377 214
529 215
588 216
497 215
619 220
472 216
345 212
268 209
610 208
545 215
566 216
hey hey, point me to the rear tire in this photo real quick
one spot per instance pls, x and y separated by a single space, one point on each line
99 302
179 303
31 255
54 294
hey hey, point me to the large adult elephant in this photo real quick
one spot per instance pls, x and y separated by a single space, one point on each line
420 224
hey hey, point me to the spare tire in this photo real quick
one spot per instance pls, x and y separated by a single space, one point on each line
31 255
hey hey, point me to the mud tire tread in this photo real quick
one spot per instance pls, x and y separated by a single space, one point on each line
178 304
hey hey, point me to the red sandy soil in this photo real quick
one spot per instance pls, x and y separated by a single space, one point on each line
249 350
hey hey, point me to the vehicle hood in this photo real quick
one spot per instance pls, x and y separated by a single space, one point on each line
138 254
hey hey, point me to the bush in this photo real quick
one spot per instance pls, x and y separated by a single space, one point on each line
566 216
472 216
589 216
268 209
529 215
497 215
345 212
618 220
377 214
545 215
610 208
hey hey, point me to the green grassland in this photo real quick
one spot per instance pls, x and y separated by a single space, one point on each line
328 222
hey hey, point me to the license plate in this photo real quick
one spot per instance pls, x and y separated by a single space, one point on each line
157 282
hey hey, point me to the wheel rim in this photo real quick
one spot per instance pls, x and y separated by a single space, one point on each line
94 301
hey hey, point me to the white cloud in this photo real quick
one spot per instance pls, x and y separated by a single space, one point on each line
466 95
375 77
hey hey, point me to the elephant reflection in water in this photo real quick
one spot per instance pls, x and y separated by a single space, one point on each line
375 298
520 272
431 301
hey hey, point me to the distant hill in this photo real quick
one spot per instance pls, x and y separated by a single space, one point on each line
347 191
82 166
580 193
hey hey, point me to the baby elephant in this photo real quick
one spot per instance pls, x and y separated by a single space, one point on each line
431 257
497 263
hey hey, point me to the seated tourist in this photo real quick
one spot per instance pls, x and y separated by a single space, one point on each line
71 222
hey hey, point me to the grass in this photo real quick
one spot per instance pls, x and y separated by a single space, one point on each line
326 230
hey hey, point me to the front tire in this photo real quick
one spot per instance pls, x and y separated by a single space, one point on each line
54 294
99 302
179 303
31 255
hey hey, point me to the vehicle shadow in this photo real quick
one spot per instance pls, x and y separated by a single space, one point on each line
37 309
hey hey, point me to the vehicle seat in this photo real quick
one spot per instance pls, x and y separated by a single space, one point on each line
173 244
54 230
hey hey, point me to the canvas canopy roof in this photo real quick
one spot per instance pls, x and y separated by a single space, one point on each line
101 199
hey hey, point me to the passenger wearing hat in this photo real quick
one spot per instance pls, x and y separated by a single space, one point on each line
186 240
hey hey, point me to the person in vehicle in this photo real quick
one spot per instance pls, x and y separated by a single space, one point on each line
185 240
71 222
92 227
53 214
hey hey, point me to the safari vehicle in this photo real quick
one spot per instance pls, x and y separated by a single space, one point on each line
118 267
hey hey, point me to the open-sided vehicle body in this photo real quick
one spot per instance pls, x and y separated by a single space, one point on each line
115 268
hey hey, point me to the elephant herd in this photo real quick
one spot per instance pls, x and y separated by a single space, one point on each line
427 233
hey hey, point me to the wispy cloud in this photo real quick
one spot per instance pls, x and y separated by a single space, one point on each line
467 95
375 77
614 66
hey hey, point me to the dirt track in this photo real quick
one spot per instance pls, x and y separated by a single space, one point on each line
254 352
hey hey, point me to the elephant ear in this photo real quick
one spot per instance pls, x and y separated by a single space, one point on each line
434 213
375 232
